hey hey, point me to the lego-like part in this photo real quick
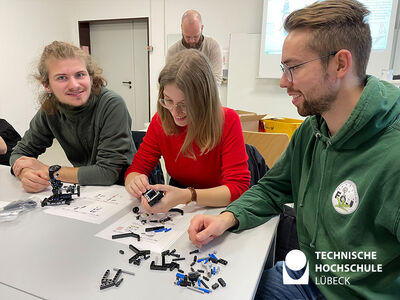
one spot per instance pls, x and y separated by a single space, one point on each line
195 258
153 266
196 290
133 248
148 229
115 279
107 285
118 282
153 197
105 276
214 286
121 251
178 259
194 251
204 284
206 278
222 282
193 276
222 261
176 210
135 210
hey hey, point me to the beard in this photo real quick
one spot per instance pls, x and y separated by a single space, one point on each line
194 46
318 104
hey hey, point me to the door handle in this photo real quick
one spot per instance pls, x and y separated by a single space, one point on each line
127 82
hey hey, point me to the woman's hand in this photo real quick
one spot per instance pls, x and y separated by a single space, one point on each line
136 184
173 196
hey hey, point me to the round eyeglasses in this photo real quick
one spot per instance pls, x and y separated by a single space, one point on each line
287 70
169 104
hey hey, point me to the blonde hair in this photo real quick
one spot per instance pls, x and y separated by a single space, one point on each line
192 73
62 50
335 25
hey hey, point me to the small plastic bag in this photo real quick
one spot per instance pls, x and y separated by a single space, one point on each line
13 209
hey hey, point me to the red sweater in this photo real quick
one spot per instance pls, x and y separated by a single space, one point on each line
226 164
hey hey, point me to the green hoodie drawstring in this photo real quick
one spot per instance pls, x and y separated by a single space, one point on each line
317 136
314 237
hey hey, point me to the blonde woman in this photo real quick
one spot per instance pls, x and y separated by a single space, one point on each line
200 141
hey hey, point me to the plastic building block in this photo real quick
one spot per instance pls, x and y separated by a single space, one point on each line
222 282
222 261
124 235
203 283
194 251
121 251
194 289
214 286
153 197
148 229
135 210
176 210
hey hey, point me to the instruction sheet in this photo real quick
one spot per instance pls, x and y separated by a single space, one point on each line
95 204
175 224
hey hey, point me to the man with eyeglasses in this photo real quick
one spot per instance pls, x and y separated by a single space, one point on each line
192 37
341 168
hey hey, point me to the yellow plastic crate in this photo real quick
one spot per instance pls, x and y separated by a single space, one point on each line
281 125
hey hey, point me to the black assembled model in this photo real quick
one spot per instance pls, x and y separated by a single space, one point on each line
58 196
153 196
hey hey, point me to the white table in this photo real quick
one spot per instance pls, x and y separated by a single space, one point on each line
55 257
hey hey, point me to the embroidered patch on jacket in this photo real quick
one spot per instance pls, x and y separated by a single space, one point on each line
345 198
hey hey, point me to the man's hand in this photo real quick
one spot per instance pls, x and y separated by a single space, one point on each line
34 181
30 163
173 196
204 228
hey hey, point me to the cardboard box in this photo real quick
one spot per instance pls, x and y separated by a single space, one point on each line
249 120
281 125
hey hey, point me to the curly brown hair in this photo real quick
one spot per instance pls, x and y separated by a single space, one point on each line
63 50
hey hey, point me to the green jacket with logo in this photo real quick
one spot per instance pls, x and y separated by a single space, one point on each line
346 192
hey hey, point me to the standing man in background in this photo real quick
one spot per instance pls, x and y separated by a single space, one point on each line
192 37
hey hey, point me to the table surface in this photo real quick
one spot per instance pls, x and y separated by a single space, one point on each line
55 257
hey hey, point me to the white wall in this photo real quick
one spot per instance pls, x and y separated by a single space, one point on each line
28 25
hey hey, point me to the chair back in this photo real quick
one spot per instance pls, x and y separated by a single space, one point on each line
157 175
270 145
257 165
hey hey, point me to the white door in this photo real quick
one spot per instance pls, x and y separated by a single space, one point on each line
120 49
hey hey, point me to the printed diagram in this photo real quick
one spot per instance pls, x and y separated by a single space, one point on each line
174 222
95 205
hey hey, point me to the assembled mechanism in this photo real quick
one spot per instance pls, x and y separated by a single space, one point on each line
153 197
60 197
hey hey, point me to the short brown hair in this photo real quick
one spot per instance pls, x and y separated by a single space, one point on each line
336 25
191 71
63 50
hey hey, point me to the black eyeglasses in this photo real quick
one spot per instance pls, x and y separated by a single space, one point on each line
288 70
